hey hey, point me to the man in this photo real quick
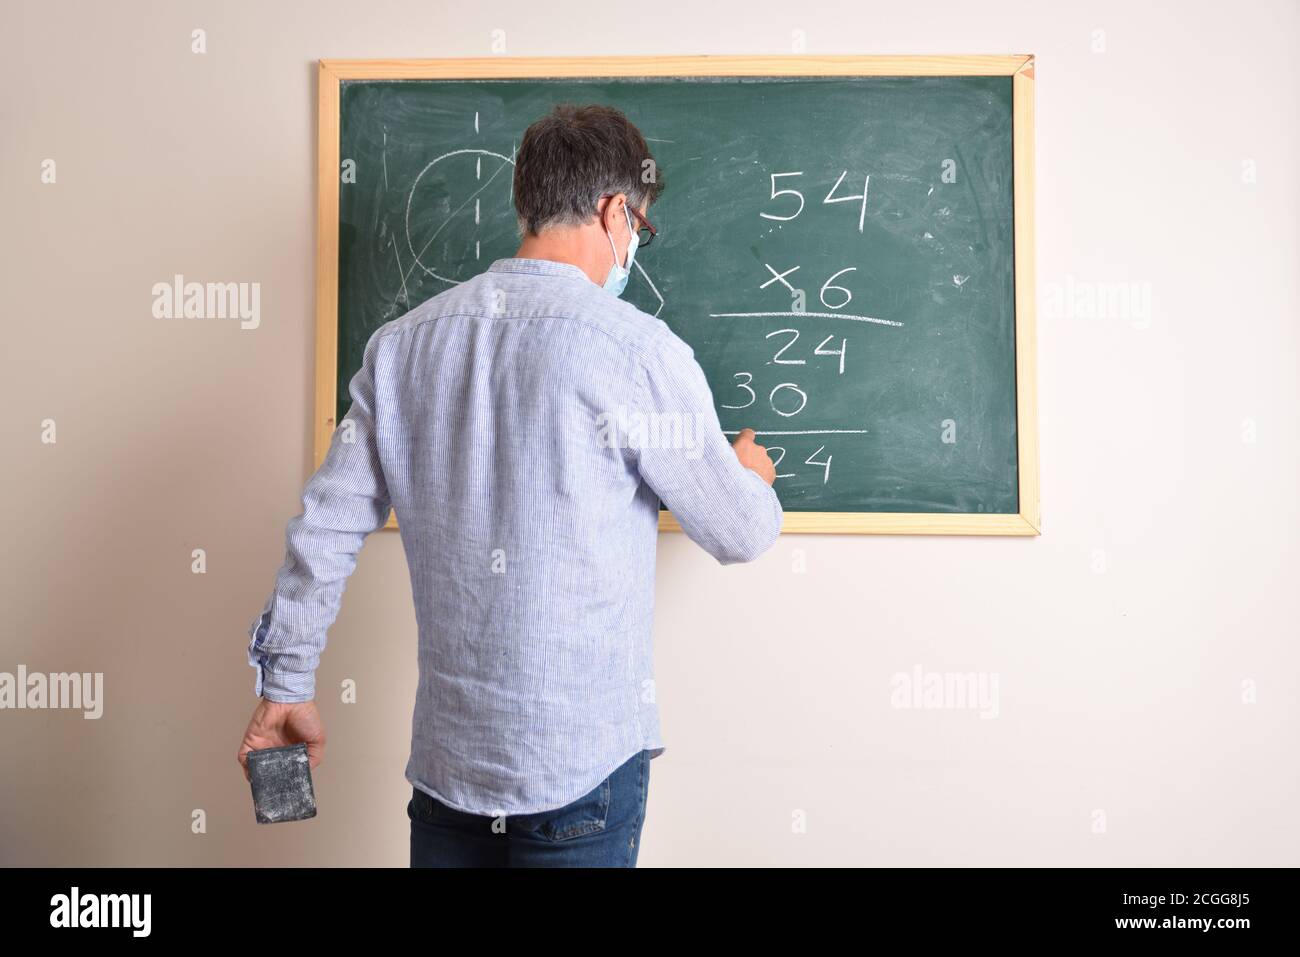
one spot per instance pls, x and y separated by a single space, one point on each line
519 426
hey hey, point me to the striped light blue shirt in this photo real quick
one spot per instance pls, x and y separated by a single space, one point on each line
524 426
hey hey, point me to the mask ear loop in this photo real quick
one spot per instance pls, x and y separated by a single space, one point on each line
610 236
612 248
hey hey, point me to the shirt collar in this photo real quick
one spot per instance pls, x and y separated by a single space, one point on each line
538 267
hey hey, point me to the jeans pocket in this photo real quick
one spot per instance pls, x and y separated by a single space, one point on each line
425 809
586 815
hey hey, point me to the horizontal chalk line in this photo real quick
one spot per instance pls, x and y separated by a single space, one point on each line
804 315
802 432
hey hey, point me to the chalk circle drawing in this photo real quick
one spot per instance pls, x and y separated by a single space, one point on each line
489 218
461 172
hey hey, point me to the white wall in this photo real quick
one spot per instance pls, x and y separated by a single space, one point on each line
1120 691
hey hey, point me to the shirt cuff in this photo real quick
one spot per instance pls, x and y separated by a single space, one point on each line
283 687
777 515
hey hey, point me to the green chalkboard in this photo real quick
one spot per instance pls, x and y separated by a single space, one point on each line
837 251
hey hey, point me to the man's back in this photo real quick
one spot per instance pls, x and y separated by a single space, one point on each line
531 546
523 426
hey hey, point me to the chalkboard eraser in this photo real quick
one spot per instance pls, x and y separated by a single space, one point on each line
281 779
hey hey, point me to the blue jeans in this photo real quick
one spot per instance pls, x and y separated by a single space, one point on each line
600 829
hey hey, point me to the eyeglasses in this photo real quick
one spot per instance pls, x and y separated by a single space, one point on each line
642 239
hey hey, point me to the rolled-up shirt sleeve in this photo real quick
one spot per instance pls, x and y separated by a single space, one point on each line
343 502
724 507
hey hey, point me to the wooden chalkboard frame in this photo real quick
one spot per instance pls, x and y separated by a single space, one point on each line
1028 521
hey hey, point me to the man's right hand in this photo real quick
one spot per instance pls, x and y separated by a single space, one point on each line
275 725
754 456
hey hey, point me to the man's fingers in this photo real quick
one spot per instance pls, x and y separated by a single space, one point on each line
746 435
315 751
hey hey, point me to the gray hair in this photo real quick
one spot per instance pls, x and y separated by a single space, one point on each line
571 157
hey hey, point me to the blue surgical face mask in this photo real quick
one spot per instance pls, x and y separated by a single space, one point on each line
616 281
